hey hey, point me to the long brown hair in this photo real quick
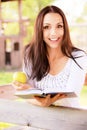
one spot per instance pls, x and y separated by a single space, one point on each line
36 51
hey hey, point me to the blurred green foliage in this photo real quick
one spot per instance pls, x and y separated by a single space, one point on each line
30 9
6 77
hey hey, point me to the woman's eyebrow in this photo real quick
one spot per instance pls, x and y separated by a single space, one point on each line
60 23
46 23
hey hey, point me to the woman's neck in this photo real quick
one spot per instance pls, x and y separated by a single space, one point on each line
55 54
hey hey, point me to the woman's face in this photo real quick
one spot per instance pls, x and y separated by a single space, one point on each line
53 30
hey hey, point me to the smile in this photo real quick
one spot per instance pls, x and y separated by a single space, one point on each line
54 39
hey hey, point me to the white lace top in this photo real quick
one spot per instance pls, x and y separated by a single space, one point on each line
71 78
54 82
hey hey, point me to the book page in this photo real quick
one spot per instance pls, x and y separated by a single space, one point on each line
28 93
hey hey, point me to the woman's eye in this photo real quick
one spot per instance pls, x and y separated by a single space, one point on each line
46 27
60 26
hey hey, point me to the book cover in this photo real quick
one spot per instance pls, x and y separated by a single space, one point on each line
30 93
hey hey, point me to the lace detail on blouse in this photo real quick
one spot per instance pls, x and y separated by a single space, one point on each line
55 82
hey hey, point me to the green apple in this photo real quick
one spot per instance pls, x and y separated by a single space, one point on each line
20 77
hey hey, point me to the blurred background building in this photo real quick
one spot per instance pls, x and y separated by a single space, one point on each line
11 45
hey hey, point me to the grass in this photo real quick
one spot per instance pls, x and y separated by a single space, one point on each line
6 77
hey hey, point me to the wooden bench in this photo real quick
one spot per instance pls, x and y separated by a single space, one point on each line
30 117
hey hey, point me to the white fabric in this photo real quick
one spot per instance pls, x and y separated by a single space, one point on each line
71 78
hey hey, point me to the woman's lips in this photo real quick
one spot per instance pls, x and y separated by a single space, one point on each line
54 39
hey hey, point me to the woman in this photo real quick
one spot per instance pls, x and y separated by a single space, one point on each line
51 62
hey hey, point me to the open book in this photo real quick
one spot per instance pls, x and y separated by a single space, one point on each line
30 93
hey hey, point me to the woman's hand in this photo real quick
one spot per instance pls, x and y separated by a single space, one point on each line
47 101
20 86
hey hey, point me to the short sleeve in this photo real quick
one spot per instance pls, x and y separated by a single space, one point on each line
27 70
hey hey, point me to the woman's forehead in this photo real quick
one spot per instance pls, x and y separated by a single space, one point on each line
52 17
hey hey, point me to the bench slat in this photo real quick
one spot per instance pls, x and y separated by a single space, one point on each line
48 118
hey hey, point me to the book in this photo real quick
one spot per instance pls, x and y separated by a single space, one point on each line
30 93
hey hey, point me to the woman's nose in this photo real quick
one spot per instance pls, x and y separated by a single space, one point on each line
53 31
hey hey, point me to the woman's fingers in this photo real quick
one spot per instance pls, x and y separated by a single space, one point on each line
48 96
45 101
20 86
42 98
58 96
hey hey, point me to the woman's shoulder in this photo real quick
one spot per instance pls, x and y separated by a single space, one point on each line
79 53
80 57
